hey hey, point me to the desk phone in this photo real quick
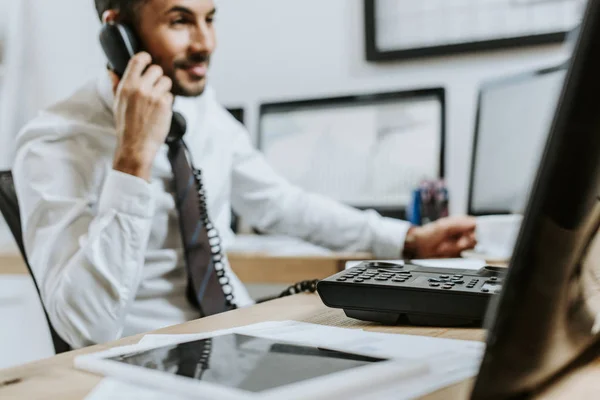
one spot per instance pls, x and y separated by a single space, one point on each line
393 293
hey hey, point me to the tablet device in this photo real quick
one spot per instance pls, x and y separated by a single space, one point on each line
237 366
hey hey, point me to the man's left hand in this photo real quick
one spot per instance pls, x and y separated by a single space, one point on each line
444 238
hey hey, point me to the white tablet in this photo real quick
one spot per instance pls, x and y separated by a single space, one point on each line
237 366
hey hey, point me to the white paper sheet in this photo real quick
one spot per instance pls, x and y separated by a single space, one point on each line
113 389
460 263
448 361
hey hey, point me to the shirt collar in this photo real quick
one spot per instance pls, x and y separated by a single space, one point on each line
192 108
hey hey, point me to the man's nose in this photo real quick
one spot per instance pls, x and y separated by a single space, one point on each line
202 39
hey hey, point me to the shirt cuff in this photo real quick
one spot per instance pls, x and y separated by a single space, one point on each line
388 238
127 194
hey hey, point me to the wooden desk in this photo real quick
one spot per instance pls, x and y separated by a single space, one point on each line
286 270
249 267
55 378
12 264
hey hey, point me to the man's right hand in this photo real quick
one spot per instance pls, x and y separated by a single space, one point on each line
444 238
142 111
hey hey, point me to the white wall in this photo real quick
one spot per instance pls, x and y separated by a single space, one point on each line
283 50
51 49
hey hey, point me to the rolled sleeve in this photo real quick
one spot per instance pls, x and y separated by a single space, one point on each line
126 194
388 237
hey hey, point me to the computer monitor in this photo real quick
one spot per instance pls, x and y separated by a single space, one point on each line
367 151
548 313
513 117
237 113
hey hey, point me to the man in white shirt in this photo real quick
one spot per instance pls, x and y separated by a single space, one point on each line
100 223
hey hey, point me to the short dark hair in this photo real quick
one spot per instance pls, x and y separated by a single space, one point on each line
127 8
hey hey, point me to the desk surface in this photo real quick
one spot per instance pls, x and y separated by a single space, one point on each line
249 267
287 270
12 264
55 378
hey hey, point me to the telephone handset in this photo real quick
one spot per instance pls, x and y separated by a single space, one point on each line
120 44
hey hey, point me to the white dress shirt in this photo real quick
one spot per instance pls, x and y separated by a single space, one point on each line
105 246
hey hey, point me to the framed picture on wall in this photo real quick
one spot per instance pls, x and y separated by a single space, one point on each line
404 29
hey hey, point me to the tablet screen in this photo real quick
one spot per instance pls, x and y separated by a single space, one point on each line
245 362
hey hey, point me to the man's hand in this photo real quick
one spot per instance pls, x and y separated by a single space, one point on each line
445 238
142 110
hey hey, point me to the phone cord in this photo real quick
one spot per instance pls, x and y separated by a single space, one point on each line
214 239
203 364
308 286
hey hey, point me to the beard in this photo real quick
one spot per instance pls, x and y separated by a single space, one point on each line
187 87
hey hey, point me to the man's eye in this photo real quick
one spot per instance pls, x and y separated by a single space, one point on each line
178 21
210 20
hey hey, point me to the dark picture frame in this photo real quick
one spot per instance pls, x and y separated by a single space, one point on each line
373 53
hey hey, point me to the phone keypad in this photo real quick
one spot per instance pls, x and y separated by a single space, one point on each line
384 275
363 275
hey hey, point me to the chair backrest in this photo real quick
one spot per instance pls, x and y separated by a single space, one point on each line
9 207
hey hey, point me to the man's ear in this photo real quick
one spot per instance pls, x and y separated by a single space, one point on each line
110 16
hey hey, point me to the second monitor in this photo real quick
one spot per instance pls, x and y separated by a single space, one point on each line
513 118
367 151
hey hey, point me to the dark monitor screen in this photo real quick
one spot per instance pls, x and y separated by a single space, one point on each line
513 117
237 113
548 313
367 151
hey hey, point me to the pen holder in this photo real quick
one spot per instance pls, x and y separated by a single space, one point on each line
429 202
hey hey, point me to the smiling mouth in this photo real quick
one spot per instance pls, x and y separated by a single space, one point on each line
196 70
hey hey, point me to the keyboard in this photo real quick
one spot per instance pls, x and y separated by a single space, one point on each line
395 293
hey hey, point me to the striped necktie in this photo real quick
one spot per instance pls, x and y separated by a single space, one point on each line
201 243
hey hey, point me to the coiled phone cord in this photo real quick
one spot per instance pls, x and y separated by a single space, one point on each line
309 286
214 239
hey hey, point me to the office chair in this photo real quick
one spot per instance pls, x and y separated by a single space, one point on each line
9 207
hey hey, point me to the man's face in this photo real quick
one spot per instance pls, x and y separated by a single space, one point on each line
180 37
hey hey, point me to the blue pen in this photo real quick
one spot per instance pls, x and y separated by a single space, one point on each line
413 212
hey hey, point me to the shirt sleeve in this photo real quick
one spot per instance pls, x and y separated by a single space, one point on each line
270 203
85 234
